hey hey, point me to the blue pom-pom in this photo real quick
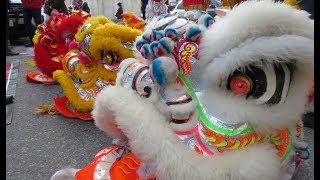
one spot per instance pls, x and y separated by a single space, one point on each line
156 35
166 44
153 48
171 33
158 72
145 51
146 37
193 32
139 43
206 20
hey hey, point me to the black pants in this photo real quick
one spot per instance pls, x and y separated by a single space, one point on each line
143 10
28 14
7 29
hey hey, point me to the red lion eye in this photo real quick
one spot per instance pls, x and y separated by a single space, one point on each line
241 84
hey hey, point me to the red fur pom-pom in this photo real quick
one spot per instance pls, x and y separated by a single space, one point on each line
83 58
73 45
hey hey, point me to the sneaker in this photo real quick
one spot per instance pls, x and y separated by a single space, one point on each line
29 45
9 99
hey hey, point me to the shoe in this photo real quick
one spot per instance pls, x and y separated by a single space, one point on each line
29 45
10 53
9 99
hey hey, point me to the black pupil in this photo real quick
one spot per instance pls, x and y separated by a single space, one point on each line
148 90
109 57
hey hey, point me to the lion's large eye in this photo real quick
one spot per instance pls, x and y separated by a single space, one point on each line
142 82
266 83
109 57
137 77
241 84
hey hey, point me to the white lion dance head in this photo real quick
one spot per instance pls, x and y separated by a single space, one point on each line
231 113
248 90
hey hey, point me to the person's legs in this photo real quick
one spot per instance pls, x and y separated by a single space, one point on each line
9 52
27 16
143 10
36 14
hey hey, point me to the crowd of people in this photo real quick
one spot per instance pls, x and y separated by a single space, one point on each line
32 10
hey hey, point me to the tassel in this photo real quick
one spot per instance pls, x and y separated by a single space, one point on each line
46 109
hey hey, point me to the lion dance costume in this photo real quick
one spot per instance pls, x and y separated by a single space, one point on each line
221 104
101 46
52 43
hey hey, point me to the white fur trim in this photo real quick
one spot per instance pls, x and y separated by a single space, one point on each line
104 119
253 19
152 139
283 49
286 48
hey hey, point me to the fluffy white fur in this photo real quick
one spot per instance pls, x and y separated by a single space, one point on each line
106 117
249 33
160 147
106 120
286 48
251 20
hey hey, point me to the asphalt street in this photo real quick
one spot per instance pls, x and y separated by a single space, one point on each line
39 145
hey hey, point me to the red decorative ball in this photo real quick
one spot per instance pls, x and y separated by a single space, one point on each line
83 59
73 45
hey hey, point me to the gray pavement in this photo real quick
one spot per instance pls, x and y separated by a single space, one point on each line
39 145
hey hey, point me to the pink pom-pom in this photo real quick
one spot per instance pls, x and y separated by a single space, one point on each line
83 58
73 45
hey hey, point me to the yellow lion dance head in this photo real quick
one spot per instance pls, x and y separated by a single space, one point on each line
102 45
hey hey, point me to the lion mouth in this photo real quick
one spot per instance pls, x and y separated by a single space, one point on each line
180 118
